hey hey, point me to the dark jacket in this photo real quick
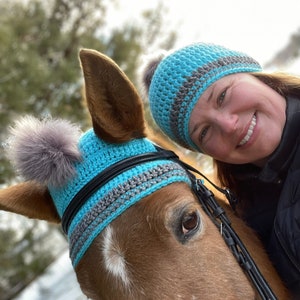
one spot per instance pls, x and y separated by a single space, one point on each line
274 200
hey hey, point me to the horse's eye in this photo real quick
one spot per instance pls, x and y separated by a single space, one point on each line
189 223
186 223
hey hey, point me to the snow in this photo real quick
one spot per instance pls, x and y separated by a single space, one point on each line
57 283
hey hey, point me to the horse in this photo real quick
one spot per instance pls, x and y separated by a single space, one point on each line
162 245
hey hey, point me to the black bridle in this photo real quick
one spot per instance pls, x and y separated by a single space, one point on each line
206 199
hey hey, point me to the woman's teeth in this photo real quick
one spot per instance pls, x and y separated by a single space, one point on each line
249 133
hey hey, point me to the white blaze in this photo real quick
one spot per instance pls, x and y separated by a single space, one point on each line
114 259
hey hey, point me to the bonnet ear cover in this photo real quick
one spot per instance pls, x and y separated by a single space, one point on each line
44 150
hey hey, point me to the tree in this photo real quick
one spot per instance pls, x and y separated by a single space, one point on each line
40 71
40 75
288 53
25 252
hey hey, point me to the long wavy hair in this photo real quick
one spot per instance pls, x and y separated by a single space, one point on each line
286 85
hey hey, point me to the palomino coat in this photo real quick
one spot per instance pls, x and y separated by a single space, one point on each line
273 207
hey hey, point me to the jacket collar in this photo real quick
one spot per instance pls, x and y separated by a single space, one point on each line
279 162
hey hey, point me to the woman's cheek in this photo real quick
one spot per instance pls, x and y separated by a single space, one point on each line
217 150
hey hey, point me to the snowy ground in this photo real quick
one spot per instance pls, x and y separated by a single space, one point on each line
57 283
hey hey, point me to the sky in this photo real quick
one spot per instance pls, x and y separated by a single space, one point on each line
259 28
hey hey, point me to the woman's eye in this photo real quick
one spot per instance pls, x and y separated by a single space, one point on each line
221 98
203 133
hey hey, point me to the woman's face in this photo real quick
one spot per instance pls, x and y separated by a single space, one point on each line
238 119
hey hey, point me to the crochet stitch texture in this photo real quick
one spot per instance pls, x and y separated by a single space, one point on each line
113 198
182 77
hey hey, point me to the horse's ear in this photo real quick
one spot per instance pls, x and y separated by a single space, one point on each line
29 199
114 104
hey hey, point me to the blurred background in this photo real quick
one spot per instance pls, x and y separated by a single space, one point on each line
40 75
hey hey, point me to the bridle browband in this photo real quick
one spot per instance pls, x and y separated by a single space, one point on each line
205 197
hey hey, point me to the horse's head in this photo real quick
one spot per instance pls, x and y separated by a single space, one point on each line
139 233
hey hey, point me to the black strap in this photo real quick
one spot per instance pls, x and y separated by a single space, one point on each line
105 176
233 201
238 249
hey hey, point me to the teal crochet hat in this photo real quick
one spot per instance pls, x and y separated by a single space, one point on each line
181 78
115 196
54 153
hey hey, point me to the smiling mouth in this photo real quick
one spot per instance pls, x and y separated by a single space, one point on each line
249 132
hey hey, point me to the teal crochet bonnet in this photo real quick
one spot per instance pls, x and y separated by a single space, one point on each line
118 194
181 78
90 180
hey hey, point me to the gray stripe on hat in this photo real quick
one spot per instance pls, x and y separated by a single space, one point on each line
117 197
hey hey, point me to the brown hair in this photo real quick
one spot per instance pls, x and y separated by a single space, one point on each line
283 83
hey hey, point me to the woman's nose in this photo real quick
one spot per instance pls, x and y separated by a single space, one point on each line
227 122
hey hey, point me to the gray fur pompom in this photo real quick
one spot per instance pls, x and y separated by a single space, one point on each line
149 68
44 151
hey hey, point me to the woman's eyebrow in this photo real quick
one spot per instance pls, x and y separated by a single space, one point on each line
194 128
208 100
211 93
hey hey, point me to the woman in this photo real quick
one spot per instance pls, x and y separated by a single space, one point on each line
219 102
